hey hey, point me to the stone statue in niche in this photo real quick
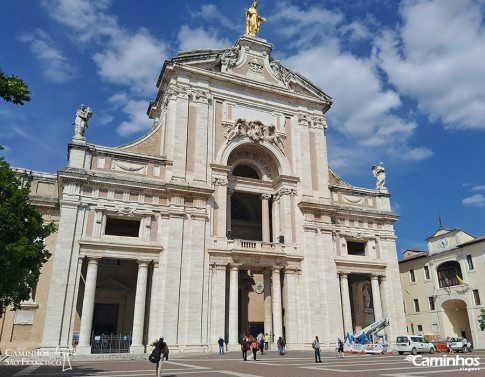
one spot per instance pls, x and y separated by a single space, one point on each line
366 296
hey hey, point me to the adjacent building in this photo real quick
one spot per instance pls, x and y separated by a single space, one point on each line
225 219
443 287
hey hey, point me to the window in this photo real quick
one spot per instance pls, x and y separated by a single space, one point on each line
416 305
356 248
122 227
469 262
411 276
447 273
476 296
420 328
426 272
431 303
434 327
110 262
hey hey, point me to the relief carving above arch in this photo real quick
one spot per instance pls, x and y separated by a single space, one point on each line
255 130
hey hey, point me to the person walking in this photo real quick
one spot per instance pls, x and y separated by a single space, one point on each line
340 348
261 345
316 348
221 345
245 348
254 347
280 343
266 342
162 350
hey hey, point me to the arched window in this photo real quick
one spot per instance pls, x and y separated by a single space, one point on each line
245 171
448 272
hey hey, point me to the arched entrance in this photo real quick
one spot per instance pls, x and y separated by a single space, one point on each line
456 322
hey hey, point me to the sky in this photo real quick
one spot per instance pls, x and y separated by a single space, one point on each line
407 79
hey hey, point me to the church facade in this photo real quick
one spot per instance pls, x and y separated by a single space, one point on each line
225 219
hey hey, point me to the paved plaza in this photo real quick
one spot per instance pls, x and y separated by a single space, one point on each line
293 364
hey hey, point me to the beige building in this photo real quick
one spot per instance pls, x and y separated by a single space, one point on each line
225 219
443 287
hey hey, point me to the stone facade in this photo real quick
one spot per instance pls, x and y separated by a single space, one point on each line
437 303
225 219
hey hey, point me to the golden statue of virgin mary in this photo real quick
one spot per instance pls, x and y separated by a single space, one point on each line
253 20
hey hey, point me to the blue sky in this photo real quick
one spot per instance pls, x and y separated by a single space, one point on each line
407 79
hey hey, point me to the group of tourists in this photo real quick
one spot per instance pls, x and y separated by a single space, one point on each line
250 343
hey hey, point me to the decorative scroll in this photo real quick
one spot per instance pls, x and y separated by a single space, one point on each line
255 130
230 57
129 166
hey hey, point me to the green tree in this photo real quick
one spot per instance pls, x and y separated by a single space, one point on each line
22 234
13 89
481 319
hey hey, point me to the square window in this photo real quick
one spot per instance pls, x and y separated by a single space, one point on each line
420 328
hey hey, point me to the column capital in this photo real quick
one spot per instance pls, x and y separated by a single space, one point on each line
291 270
234 266
93 260
343 274
143 262
265 197
375 276
276 269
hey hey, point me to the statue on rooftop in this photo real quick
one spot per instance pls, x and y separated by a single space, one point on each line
253 20
380 174
81 123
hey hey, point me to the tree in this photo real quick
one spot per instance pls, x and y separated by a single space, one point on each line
13 89
22 234
481 319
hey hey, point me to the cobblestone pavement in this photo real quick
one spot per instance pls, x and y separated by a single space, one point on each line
293 364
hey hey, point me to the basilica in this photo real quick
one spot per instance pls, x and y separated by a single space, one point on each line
225 219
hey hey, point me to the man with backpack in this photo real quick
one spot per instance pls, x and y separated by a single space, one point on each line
316 348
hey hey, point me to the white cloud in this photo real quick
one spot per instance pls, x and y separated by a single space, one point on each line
136 113
436 57
304 27
132 60
53 64
477 200
199 38
478 188
123 57
363 108
209 13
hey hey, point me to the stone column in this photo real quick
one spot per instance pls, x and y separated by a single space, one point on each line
385 304
228 209
233 305
277 309
265 216
376 297
291 305
84 347
346 310
139 312
268 315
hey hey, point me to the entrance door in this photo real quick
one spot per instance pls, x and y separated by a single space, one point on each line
105 319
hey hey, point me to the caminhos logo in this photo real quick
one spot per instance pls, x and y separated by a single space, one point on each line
466 363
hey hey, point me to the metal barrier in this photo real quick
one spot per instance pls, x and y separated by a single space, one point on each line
114 343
